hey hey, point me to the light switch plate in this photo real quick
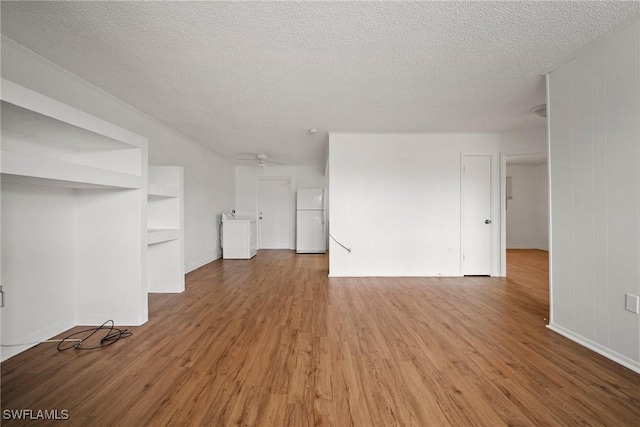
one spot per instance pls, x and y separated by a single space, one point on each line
632 303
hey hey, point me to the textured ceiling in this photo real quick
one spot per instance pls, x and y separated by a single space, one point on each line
255 76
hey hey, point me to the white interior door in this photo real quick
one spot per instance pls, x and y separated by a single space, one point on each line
274 211
476 215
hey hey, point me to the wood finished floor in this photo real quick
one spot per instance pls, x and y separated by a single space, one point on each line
274 342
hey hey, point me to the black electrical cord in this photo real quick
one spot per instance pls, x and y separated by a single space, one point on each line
220 240
113 335
345 248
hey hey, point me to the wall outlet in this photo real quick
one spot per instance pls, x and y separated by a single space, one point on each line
632 303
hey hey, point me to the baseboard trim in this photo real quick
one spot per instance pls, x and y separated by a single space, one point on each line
598 348
527 247
386 276
119 319
201 264
33 339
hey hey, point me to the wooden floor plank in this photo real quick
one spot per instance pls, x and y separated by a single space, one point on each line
274 342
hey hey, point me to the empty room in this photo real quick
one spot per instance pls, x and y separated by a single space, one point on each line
320 213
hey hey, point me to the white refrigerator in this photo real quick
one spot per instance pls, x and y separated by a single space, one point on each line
311 230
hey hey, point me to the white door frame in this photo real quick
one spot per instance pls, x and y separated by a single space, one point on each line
273 178
503 215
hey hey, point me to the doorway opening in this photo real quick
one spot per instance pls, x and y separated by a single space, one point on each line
526 207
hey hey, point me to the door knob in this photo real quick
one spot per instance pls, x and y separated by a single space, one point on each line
487 221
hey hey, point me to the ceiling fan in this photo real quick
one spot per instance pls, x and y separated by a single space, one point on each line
261 158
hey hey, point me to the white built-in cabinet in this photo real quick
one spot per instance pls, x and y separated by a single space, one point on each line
165 256
74 219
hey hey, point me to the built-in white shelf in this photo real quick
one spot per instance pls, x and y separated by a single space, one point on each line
165 238
46 140
159 235
69 257
162 191
43 171
54 120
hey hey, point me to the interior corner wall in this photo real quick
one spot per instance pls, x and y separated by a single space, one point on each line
246 195
594 129
208 178
395 202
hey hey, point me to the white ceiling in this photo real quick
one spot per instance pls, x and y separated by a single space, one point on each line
255 76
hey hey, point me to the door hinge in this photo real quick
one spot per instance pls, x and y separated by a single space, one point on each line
1 297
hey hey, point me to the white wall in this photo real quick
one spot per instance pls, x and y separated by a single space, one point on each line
395 201
208 179
520 209
541 207
527 211
39 227
595 193
525 141
246 195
